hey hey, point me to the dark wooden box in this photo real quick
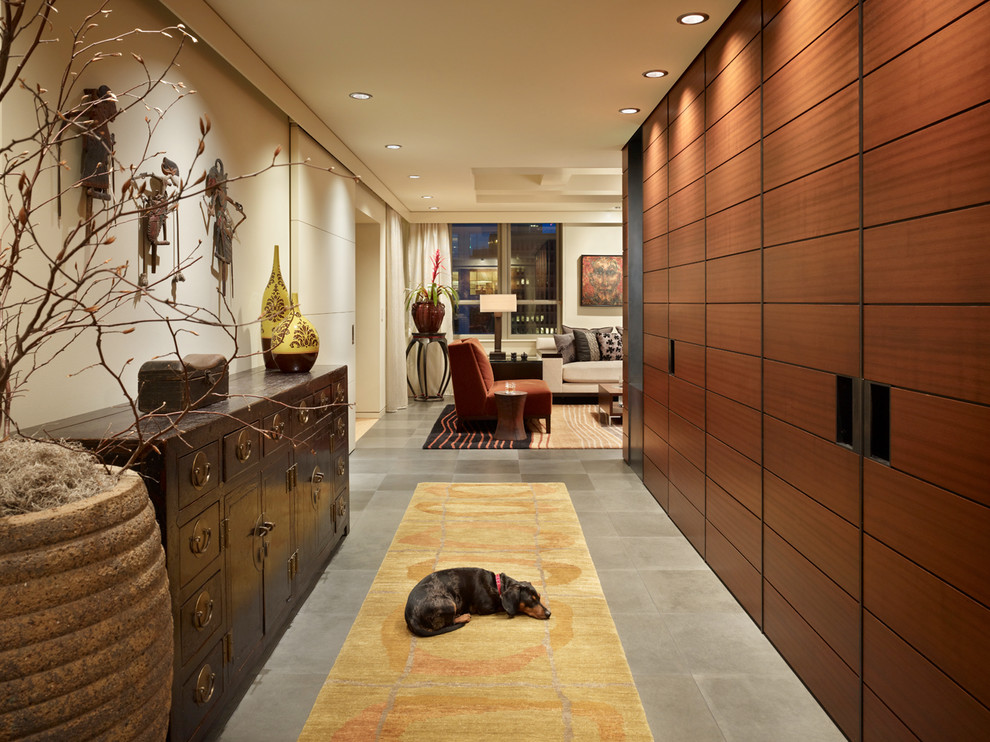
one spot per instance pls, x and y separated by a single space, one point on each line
172 385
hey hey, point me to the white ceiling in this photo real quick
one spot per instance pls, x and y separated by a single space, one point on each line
500 107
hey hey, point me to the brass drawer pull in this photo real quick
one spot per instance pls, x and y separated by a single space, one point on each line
205 685
341 508
204 611
340 426
341 467
317 481
304 415
278 427
243 450
200 472
341 394
323 403
199 542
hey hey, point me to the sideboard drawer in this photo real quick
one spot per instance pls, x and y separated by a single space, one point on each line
199 543
199 473
201 617
338 429
201 691
276 431
241 451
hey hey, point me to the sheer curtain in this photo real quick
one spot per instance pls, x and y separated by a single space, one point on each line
424 241
396 390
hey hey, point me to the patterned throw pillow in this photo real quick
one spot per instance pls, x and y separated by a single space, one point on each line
565 346
586 345
610 344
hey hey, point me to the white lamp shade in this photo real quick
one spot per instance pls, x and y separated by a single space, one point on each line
498 302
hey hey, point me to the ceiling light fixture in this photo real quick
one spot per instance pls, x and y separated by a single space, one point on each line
361 96
434 208
628 110
415 177
655 73
393 146
426 196
692 19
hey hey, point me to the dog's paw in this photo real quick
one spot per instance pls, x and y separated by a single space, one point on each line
463 619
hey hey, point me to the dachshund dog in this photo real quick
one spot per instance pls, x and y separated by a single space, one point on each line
444 601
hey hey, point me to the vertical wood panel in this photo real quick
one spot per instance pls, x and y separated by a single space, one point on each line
655 286
734 375
687 283
734 327
737 229
736 82
733 37
687 205
687 166
823 270
798 24
736 131
687 323
688 126
734 279
820 336
687 518
654 254
689 481
739 476
656 482
822 203
654 192
690 363
891 26
737 180
735 425
741 577
738 525
687 244
687 400
655 319
688 440
802 397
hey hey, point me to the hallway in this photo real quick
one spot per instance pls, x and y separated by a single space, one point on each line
703 669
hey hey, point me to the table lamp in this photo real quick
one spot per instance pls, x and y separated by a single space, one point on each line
498 303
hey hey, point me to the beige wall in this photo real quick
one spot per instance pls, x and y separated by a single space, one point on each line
587 239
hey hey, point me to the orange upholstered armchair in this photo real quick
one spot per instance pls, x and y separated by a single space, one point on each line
475 386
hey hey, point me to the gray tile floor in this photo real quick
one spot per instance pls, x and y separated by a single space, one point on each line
703 669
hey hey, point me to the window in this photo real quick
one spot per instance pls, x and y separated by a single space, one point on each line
520 259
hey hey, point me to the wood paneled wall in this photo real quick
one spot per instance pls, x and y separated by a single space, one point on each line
816 344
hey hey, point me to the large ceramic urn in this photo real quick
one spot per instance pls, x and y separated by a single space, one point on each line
428 317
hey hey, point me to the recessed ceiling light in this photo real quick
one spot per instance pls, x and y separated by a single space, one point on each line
426 196
415 177
393 146
628 110
361 96
692 19
655 73
434 208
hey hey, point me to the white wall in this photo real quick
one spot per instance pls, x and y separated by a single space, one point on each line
587 239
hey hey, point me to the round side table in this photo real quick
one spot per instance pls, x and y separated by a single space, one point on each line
510 406
422 342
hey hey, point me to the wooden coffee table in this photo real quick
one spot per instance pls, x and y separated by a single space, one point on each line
510 406
609 402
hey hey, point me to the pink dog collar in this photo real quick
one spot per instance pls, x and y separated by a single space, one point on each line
498 583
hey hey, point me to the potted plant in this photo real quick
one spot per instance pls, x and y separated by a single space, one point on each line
426 300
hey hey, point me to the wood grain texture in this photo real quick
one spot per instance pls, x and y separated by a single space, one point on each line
735 375
735 181
734 327
925 699
735 424
739 476
825 202
687 244
654 154
690 362
655 192
655 286
655 319
687 518
688 440
655 351
826 66
736 523
654 127
732 37
737 229
655 220
656 482
897 100
833 682
688 127
940 259
687 283
798 24
685 93
687 165
941 623
656 449
879 722
741 577
655 417
822 470
821 136
733 133
824 270
831 612
823 538
942 532
689 481
655 384
821 336
687 323
803 397
687 205
734 279
942 441
937 349
891 26
943 167
654 255
736 82
687 400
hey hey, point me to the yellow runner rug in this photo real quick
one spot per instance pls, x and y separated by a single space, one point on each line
496 678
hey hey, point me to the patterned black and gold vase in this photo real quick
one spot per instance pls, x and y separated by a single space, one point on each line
295 342
274 308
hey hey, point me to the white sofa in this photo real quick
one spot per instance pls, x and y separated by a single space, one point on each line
578 377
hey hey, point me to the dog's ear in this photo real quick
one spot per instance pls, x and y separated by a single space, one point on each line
510 595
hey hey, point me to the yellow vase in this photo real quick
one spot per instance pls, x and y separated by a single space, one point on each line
295 342
274 306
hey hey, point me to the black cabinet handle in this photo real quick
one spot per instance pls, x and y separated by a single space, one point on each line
877 433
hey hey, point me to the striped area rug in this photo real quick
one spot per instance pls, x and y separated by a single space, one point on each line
572 426
496 678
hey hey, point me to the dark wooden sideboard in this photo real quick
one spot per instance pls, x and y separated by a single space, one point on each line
252 498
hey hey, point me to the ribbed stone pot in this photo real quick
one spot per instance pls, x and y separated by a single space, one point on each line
85 620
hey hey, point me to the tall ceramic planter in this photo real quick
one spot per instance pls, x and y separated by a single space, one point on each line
85 620
428 316
274 306
295 342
